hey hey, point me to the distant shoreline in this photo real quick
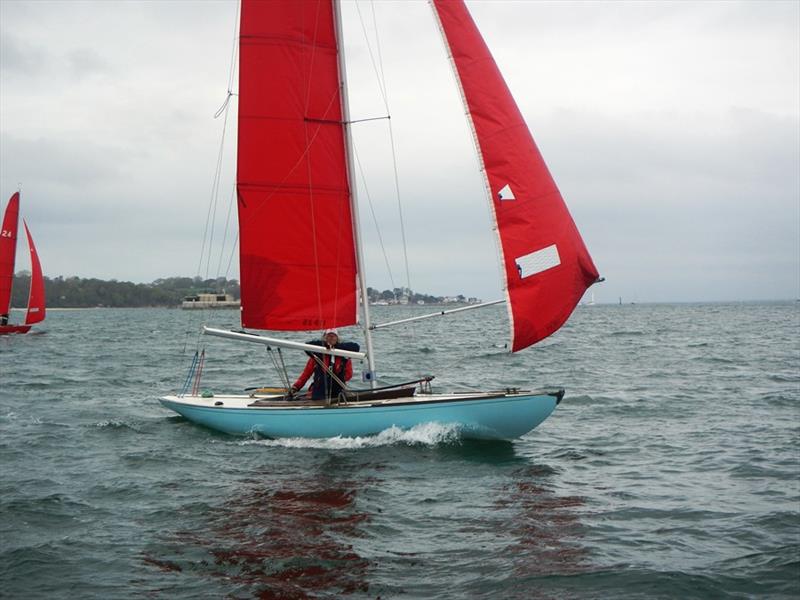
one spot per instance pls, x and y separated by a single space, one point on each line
423 306
236 308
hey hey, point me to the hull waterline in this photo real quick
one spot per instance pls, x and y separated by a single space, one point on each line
480 416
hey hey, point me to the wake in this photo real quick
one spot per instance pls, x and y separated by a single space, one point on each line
425 434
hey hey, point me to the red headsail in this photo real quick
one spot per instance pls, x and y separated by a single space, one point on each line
546 265
36 305
297 256
8 250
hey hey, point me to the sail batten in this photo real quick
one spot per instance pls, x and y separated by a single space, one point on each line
297 255
546 267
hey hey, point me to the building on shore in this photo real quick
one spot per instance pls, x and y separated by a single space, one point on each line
203 301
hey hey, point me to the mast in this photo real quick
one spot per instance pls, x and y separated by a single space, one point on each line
348 142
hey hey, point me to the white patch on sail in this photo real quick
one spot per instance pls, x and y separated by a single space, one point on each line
506 193
538 261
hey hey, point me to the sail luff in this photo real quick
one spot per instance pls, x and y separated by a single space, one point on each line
546 265
482 168
8 250
36 298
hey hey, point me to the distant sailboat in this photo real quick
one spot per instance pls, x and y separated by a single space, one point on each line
301 263
8 249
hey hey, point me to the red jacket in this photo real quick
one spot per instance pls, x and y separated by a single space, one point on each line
312 365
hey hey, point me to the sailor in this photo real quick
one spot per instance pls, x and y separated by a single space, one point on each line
324 384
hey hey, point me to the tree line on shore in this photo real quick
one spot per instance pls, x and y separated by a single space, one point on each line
77 292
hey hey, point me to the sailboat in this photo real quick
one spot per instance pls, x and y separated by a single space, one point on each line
295 181
8 250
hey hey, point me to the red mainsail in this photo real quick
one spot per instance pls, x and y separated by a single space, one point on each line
36 303
8 250
297 255
545 262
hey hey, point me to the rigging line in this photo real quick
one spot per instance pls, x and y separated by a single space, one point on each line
224 106
225 232
197 340
381 83
394 161
382 78
329 370
215 190
379 73
372 212
199 374
399 207
352 121
188 380
285 372
222 142
234 48
284 376
231 77
233 253
205 238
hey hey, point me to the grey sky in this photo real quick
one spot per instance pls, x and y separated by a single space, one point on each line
672 129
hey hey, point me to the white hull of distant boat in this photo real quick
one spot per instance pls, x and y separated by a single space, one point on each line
486 415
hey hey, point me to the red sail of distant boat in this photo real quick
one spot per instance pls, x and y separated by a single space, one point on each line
8 250
36 303
545 262
297 255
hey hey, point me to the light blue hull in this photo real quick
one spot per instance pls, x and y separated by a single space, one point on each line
500 417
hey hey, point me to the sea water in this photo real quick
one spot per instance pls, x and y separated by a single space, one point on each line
670 470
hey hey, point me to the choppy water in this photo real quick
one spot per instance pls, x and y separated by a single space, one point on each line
670 470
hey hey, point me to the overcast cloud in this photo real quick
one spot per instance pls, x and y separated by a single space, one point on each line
672 129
